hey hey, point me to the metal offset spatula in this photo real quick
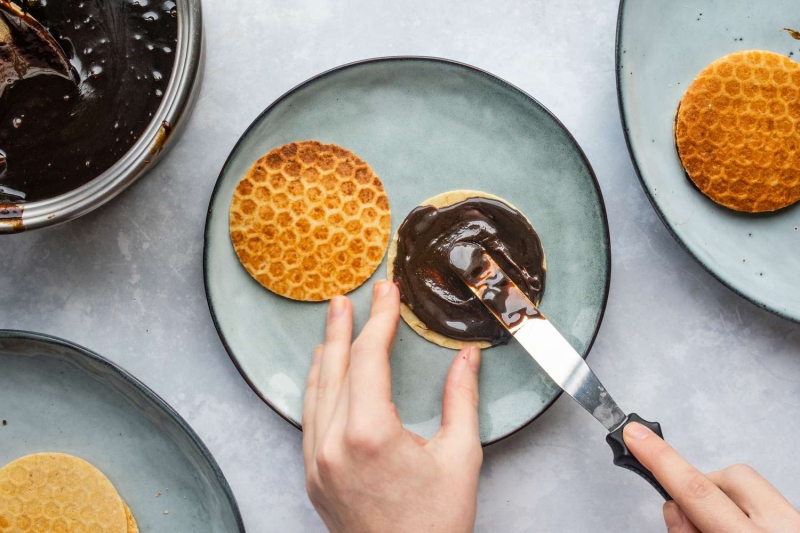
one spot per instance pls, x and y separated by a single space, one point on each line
549 349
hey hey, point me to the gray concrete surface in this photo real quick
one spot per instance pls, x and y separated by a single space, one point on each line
721 375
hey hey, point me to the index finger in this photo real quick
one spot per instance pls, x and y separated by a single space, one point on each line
370 371
702 501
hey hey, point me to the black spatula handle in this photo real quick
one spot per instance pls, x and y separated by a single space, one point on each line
624 458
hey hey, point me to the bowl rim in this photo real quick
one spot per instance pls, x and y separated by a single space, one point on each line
168 119
132 380
387 59
651 197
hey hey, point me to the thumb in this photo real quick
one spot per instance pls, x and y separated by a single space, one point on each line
460 403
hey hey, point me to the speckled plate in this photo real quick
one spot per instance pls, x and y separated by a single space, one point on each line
58 397
661 47
425 126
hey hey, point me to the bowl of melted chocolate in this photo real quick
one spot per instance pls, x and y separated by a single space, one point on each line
91 94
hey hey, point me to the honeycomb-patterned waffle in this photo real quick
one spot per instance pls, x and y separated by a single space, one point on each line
309 221
737 131
58 493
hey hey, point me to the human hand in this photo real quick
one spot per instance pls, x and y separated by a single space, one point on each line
364 471
736 499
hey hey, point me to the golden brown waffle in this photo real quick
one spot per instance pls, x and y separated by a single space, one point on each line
737 131
57 492
310 221
132 527
441 200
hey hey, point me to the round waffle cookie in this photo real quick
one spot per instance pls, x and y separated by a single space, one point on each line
57 492
310 221
132 527
737 131
413 321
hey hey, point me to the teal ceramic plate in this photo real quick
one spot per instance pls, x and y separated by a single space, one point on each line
58 397
662 45
425 126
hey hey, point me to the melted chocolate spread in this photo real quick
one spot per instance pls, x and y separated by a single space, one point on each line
56 135
435 293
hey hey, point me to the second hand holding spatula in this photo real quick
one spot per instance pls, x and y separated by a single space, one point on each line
549 349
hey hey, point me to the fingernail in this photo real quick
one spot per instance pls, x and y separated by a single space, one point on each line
382 288
474 357
318 353
337 306
673 516
634 430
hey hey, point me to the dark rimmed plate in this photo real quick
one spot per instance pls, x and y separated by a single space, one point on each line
425 126
56 396
662 46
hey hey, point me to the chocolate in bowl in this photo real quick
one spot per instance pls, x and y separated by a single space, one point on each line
69 149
